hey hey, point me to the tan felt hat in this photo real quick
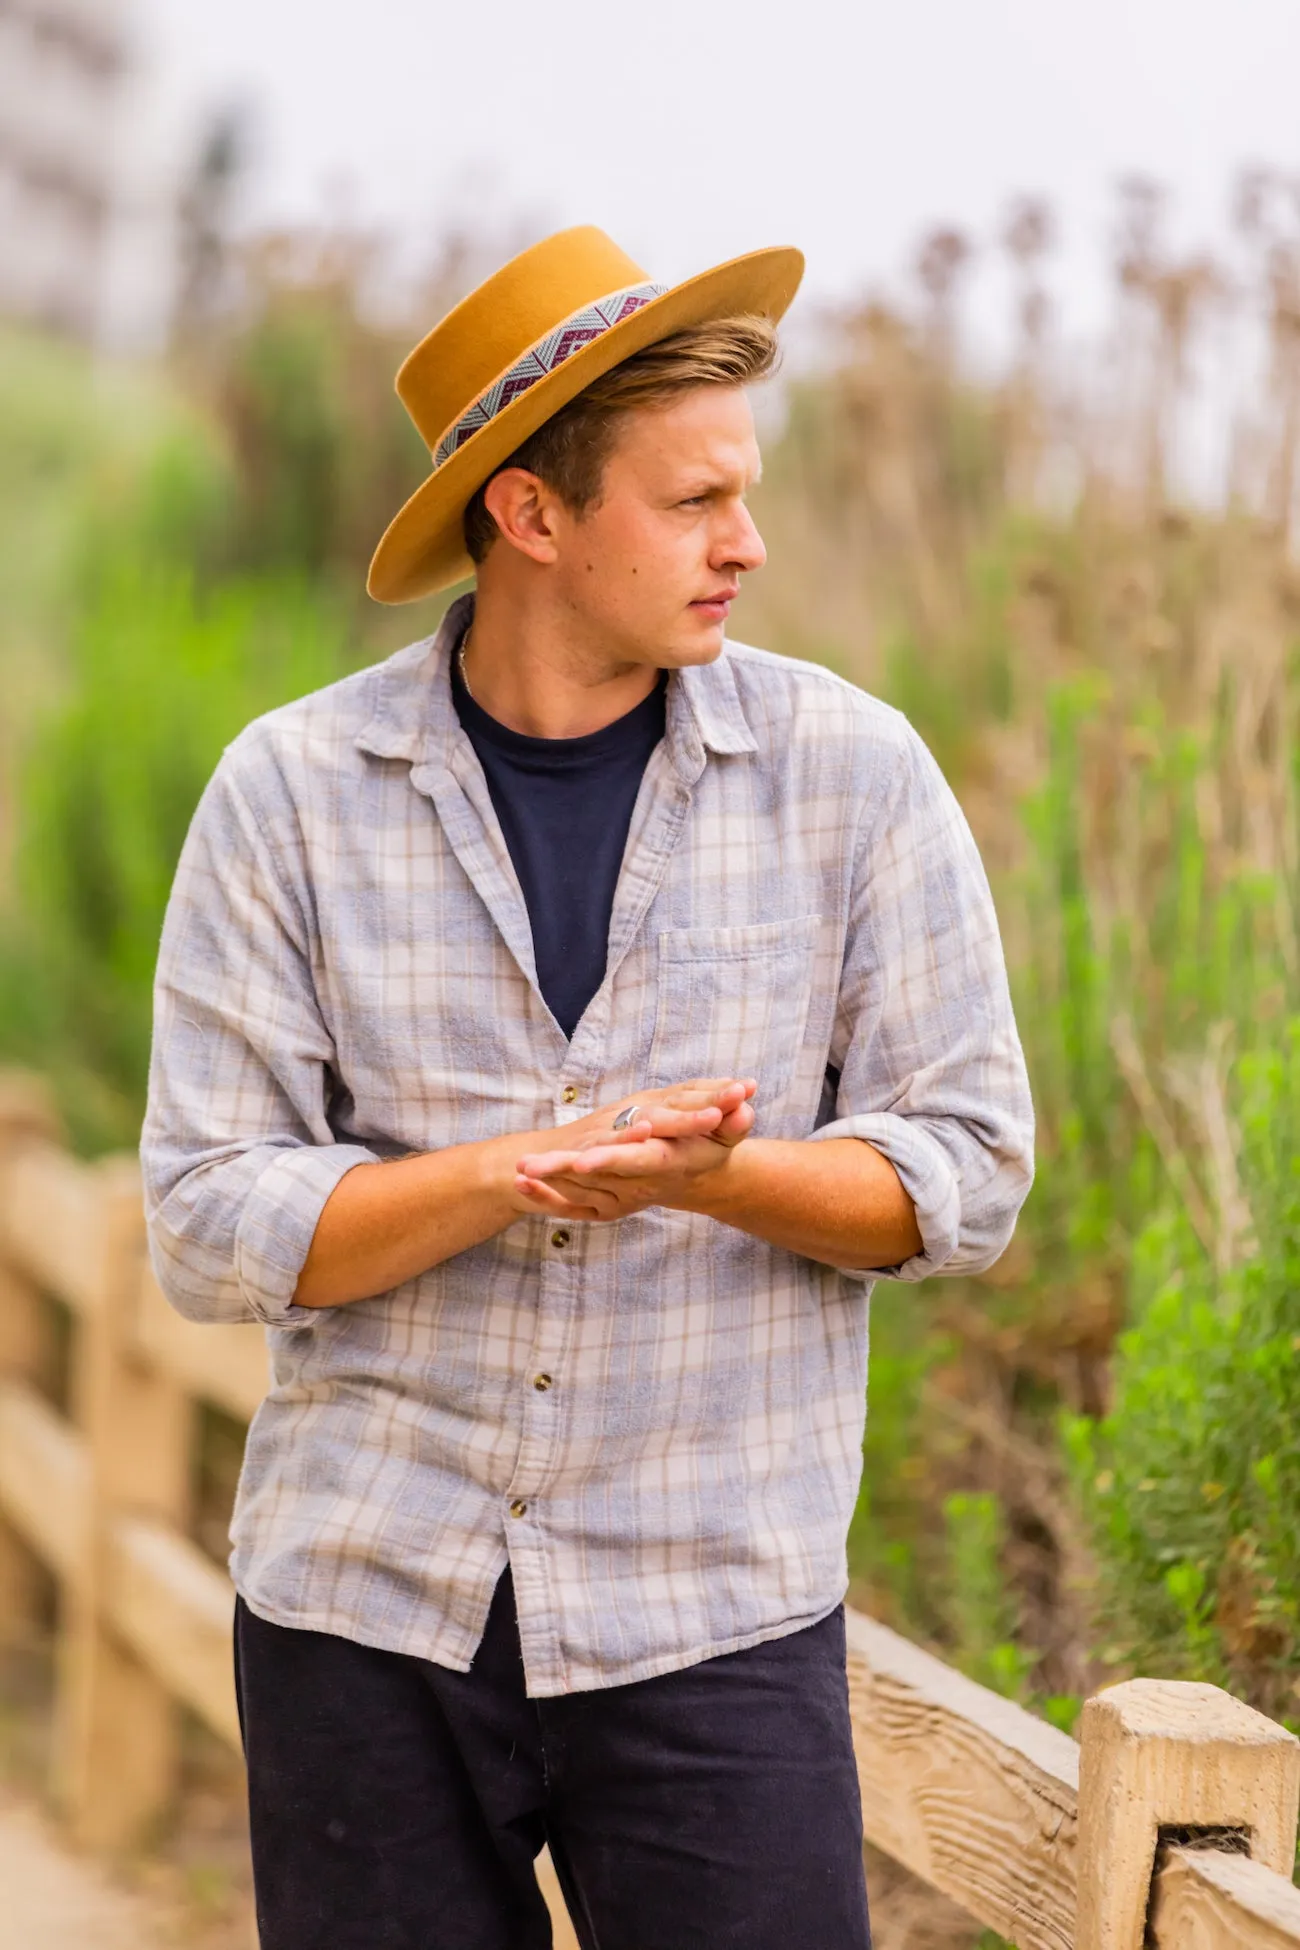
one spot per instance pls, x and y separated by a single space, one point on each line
518 349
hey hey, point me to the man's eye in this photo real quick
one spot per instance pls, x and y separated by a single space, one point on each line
693 501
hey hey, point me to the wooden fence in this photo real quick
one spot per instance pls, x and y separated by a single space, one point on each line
1172 1822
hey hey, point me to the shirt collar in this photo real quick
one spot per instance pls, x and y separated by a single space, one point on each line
710 693
415 719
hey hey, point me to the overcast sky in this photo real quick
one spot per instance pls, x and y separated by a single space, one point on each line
694 129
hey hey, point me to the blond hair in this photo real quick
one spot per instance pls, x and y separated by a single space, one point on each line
570 450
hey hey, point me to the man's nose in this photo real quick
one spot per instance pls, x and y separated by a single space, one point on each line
742 546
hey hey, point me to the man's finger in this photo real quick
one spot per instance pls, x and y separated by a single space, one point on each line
608 1161
570 1200
555 1205
613 1160
739 1089
737 1124
539 1191
609 1200
660 1121
725 1093
630 1134
547 1164
686 1118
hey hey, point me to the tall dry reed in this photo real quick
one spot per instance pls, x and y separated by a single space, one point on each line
1095 629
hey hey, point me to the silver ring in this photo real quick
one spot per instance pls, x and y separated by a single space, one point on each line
627 1117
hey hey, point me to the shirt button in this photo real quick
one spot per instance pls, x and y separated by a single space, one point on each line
519 1508
541 1382
569 1094
561 1236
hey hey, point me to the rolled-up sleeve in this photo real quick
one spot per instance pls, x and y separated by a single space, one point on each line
237 1152
929 1065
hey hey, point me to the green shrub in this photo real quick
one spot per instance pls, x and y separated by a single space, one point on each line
890 1546
1192 1481
77 440
164 677
982 1608
1151 955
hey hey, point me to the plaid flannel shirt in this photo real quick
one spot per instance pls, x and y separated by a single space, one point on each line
346 976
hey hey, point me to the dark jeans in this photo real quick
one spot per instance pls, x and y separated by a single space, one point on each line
398 1806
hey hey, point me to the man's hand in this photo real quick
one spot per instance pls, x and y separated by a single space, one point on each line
683 1134
838 1201
384 1225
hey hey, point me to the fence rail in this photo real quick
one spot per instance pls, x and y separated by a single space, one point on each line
1171 1823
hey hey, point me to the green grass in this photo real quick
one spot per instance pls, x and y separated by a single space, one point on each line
163 676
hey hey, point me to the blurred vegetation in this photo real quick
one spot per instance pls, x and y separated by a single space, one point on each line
1081 1464
1086 1462
181 553
161 676
1192 1480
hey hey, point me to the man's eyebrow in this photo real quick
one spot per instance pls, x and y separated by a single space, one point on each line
696 484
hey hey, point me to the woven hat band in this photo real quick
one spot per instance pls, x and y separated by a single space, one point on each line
580 328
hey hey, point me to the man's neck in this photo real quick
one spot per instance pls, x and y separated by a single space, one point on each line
537 674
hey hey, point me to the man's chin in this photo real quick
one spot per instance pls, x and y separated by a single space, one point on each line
698 646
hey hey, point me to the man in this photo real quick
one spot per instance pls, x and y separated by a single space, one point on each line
660 979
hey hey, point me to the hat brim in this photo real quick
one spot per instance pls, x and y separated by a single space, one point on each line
423 548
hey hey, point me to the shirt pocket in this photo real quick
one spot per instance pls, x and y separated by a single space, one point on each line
733 1002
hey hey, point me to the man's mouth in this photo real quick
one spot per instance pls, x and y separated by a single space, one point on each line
716 608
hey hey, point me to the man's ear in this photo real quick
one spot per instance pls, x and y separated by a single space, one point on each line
523 507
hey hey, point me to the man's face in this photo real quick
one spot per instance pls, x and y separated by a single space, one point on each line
652 568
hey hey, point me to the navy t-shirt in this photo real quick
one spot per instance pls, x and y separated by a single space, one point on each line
565 805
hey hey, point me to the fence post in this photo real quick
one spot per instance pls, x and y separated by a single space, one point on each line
27 1113
1172 1761
116 1738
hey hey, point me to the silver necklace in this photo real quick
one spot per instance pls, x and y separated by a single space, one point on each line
460 657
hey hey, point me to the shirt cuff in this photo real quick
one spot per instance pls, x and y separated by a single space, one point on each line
926 1175
277 1224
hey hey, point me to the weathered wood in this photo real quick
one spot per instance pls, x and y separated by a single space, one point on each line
115 1750
174 1608
1205 1900
965 1788
28 1111
22 1356
223 1365
1169 1754
164 1598
27 1116
44 1479
51 1222
24 1328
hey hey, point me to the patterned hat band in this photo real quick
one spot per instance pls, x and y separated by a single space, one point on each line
589 323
